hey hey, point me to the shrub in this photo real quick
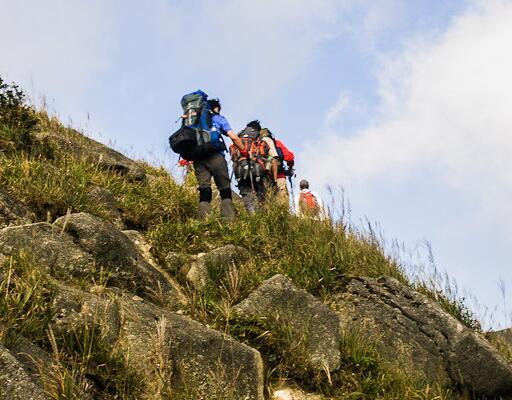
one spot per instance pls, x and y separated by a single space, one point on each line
17 119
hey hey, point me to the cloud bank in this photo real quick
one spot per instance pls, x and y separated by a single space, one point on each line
445 111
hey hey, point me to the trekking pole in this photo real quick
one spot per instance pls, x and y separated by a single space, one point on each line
290 178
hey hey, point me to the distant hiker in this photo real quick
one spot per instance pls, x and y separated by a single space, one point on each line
284 155
308 203
255 166
200 139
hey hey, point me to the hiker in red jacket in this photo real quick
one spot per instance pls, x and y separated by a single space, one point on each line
284 155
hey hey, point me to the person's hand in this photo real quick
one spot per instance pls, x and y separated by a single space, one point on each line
244 153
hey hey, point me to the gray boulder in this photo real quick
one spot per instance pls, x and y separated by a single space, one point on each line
218 260
416 334
32 357
49 247
166 347
12 212
308 321
15 382
120 256
90 150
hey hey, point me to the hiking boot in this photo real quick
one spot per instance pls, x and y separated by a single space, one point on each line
204 210
227 212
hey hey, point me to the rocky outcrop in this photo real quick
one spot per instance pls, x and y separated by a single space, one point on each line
160 344
416 334
119 255
49 248
15 382
81 245
199 274
92 151
12 212
287 308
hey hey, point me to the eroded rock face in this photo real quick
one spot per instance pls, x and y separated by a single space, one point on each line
201 362
415 333
291 309
50 248
120 256
95 152
12 212
15 382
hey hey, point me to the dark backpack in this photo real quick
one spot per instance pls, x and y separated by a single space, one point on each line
197 138
252 167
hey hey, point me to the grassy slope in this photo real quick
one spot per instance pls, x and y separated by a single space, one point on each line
317 256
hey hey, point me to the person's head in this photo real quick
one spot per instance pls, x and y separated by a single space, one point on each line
254 125
214 105
304 184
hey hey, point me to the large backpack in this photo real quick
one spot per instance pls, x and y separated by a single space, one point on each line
254 166
280 154
197 138
308 203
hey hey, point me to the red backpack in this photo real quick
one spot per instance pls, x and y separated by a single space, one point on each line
308 203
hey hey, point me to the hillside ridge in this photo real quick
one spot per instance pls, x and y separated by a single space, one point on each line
110 288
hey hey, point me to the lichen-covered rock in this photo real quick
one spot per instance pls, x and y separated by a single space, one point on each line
144 247
287 308
49 247
73 308
163 345
291 393
206 362
106 201
219 259
90 150
122 259
416 334
15 382
32 357
12 212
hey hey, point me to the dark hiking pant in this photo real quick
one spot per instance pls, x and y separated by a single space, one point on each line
253 198
214 166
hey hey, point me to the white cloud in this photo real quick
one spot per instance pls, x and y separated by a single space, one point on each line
335 112
445 108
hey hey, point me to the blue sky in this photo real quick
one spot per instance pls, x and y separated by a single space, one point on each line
404 104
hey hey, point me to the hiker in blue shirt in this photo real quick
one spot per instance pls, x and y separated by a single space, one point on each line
215 166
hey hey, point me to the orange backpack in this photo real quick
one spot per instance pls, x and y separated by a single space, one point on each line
308 203
254 165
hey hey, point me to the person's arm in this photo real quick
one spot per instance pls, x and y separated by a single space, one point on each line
275 167
236 140
288 156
